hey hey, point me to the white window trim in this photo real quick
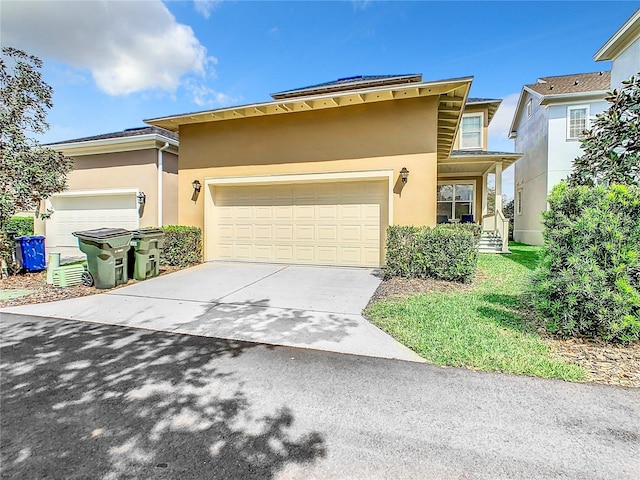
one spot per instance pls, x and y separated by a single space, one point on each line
519 201
473 197
476 114
587 123
529 107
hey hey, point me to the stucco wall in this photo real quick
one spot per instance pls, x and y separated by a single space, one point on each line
170 188
626 64
387 135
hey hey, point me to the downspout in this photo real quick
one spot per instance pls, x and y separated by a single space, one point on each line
160 171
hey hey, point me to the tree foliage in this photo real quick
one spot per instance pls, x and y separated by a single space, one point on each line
612 145
29 172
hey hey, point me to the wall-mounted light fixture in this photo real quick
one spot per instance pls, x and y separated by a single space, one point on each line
404 175
196 185
142 198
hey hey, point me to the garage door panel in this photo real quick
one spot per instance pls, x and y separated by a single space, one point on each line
350 256
283 253
323 223
327 255
305 233
264 232
327 233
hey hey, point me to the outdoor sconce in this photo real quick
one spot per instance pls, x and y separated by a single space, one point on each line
404 175
142 198
196 186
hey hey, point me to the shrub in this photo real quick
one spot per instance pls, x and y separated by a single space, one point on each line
19 227
182 246
14 227
473 228
588 282
423 252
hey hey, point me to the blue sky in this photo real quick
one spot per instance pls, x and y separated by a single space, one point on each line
113 64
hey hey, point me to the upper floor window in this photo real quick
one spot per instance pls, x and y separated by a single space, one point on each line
471 132
577 121
529 108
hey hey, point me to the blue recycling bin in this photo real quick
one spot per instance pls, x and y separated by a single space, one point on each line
30 253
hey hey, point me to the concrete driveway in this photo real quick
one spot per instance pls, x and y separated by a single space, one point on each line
291 305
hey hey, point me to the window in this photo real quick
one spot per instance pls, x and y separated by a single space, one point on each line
529 108
577 121
519 202
471 135
455 199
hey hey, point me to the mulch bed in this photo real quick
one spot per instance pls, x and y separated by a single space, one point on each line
43 292
606 363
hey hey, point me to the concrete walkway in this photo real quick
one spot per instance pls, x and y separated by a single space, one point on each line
298 306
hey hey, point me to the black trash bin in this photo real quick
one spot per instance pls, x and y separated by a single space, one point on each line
106 250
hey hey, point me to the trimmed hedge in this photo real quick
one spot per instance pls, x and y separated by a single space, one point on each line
588 282
421 252
182 246
19 227
473 228
15 227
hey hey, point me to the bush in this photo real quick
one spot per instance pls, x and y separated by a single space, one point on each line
15 227
588 282
473 228
19 227
422 252
182 246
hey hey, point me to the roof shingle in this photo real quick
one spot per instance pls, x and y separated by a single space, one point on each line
576 83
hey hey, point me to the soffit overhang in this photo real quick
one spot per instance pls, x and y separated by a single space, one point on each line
116 145
452 95
475 164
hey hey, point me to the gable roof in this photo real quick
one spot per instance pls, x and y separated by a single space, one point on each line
620 40
349 83
575 83
578 87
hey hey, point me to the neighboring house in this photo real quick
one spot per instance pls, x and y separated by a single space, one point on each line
623 49
548 123
316 175
125 179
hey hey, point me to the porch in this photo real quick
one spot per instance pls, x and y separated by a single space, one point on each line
470 190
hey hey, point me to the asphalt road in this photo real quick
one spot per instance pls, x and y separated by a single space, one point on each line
85 401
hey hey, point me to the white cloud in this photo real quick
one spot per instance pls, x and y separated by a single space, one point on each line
204 96
127 46
360 4
501 122
205 7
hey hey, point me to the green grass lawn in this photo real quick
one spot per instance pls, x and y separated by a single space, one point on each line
483 328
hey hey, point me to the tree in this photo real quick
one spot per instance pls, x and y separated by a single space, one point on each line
612 146
29 172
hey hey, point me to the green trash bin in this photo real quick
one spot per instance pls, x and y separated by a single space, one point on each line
145 256
107 256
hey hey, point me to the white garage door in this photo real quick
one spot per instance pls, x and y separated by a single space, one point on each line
84 212
311 223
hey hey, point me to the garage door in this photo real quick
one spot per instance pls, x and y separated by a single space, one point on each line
84 212
312 223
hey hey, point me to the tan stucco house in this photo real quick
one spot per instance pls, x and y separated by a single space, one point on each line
124 179
315 176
